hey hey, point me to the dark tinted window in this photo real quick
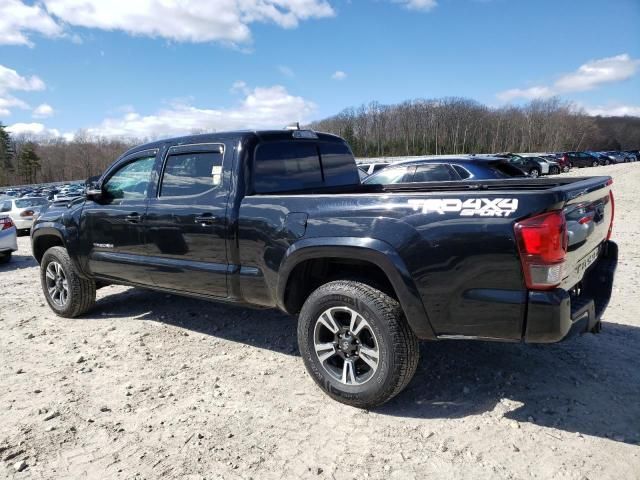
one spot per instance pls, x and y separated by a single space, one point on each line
464 174
283 166
379 166
392 175
504 169
191 174
433 172
338 165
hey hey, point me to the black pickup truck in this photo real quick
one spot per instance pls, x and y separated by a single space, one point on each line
280 219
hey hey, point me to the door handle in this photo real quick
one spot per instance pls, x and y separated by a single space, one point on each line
132 218
205 220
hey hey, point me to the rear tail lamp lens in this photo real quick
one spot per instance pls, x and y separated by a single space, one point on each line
6 223
542 245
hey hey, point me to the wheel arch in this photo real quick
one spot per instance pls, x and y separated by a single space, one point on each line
45 238
369 260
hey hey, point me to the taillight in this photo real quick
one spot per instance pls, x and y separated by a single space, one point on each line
542 244
613 211
6 223
26 213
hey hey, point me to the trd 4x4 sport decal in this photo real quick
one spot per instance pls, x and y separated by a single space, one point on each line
481 207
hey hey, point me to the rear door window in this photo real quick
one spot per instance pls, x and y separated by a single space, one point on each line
191 173
434 172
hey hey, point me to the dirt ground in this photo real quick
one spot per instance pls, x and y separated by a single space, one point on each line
149 385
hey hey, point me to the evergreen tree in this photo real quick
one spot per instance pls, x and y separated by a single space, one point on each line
7 155
29 163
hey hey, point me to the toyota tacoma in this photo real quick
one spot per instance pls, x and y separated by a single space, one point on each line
280 219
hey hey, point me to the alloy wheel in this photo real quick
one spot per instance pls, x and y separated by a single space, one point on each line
346 346
57 285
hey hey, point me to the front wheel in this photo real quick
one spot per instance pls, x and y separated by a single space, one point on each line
595 163
356 343
534 173
68 294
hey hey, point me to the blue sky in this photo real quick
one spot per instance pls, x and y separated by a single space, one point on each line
155 68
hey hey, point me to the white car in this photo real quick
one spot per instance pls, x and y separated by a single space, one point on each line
8 239
22 210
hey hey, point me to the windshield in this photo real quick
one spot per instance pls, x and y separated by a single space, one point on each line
31 202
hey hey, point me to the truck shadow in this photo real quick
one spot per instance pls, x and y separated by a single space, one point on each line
588 385
18 262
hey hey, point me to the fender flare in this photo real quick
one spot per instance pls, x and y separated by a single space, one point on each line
371 250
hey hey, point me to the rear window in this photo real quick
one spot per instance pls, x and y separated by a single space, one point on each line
31 202
505 169
288 166
338 165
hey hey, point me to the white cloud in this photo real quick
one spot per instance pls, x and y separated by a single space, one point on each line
43 110
592 74
422 5
239 86
528 93
17 19
187 20
598 72
339 75
10 80
614 110
262 107
286 71
32 130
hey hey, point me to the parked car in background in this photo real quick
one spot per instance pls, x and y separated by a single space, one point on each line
635 153
581 159
371 168
613 156
546 164
628 157
8 240
445 170
528 165
563 164
22 210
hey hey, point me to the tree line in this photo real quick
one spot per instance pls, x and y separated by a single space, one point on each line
414 127
459 125
26 159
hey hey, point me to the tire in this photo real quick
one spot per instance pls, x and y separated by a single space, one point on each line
554 171
57 271
534 173
380 327
5 257
566 168
595 163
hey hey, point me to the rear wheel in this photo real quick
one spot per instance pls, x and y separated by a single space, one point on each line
595 163
68 294
5 257
566 168
356 343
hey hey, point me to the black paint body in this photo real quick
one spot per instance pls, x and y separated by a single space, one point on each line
454 276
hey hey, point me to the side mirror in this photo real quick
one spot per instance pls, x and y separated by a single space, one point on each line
93 191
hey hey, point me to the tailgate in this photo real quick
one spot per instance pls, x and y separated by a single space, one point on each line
589 214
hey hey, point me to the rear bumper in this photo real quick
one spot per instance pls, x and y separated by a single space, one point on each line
557 314
23 223
8 241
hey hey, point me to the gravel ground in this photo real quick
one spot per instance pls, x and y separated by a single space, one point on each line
149 385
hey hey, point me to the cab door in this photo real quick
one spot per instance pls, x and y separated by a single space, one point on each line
186 228
113 227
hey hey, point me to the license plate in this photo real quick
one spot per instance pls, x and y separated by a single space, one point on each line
587 261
